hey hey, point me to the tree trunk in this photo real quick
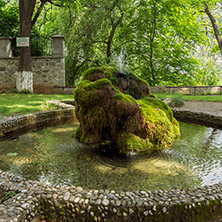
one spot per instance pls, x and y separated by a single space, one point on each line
112 33
152 38
24 75
215 27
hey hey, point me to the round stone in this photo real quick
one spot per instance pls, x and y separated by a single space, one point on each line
105 202
98 202
111 196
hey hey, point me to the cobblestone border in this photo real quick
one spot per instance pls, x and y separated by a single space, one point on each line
35 201
15 126
202 118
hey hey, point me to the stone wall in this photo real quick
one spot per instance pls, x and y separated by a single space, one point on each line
187 89
48 72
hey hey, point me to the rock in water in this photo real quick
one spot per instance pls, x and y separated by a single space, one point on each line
120 108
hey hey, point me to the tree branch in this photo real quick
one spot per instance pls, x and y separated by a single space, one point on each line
124 44
215 27
39 10
100 42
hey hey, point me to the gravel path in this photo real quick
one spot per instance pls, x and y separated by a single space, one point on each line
204 106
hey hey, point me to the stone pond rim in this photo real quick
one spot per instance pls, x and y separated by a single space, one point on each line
120 108
200 204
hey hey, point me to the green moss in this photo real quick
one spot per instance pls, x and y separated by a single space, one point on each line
137 78
106 113
114 80
130 142
109 71
152 95
93 85
124 98
85 92
78 133
135 92
115 89
158 127
97 118
99 84
159 104
176 127
93 120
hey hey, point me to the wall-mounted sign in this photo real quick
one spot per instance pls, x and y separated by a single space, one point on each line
22 41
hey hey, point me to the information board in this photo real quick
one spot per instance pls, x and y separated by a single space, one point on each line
22 41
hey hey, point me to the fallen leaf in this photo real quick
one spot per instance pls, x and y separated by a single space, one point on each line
12 154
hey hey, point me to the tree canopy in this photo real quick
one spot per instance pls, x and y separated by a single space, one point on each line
166 42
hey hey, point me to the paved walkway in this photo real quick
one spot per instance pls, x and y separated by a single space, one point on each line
214 108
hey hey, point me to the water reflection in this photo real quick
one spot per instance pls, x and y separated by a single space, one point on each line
52 155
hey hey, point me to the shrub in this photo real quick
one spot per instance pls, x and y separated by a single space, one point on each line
6 195
25 91
177 101
13 90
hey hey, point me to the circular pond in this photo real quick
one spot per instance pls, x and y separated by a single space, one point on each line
53 156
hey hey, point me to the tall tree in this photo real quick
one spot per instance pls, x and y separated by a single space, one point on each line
162 50
214 26
95 35
27 8
24 74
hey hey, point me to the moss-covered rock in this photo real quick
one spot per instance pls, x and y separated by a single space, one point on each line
106 113
128 83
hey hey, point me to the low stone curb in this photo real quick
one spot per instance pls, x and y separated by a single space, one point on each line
21 124
37 201
202 118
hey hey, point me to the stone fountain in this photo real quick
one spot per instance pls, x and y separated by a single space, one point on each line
118 107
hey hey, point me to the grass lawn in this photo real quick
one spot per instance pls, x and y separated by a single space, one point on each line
213 98
19 104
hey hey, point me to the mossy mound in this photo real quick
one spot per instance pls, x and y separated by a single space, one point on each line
106 113
128 83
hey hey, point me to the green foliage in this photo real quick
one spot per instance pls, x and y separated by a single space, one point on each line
25 91
9 20
7 195
160 52
160 40
92 32
177 101
13 90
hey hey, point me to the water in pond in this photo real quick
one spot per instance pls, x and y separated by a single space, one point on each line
53 156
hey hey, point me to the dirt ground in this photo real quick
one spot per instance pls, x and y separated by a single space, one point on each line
204 106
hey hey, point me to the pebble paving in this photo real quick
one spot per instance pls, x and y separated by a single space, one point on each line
34 199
